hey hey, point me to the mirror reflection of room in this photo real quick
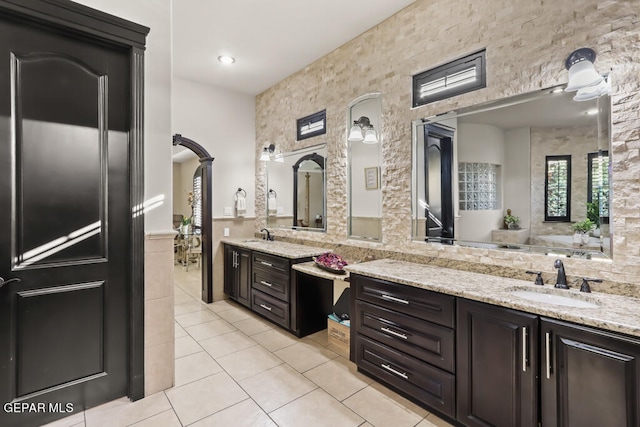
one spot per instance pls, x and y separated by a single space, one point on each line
187 215
531 171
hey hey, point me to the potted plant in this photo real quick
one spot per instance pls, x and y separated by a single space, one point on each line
186 222
593 214
582 229
511 221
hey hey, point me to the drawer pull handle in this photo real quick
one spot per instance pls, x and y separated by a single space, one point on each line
394 333
266 283
393 371
524 349
547 350
394 299
268 264
266 307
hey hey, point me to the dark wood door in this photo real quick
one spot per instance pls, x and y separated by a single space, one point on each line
244 277
589 377
497 366
65 222
230 282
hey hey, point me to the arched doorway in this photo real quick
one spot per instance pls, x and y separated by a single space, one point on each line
207 226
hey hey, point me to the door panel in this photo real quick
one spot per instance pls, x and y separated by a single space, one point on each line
65 196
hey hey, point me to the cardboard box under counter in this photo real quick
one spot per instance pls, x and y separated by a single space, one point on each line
338 336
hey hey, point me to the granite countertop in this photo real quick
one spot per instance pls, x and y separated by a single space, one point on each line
312 269
283 249
613 312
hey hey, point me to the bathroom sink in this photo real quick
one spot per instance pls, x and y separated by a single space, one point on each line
554 299
253 240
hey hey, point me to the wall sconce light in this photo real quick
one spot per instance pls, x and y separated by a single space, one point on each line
362 130
583 77
269 153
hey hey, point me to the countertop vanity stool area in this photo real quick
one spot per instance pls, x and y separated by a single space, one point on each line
467 347
278 281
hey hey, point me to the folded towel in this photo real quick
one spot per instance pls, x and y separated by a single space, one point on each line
272 204
241 205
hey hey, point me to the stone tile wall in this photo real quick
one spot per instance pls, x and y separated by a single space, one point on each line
526 45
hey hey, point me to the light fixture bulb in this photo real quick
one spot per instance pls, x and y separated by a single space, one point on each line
592 92
582 74
226 59
370 136
355 134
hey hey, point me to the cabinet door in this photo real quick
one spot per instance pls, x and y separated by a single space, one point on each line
589 377
496 366
230 272
244 276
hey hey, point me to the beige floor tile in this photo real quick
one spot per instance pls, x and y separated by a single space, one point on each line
275 339
177 290
406 403
207 330
82 424
341 350
222 305
182 298
179 331
252 326
338 377
315 409
321 337
194 367
433 420
195 318
235 314
305 355
163 419
243 414
70 421
204 397
186 346
225 344
188 307
248 362
276 387
380 410
122 412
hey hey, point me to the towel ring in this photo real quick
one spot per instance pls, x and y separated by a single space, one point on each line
271 191
242 192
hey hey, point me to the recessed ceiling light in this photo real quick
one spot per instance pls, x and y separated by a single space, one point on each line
225 59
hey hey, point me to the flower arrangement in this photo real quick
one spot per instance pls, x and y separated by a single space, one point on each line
583 226
511 221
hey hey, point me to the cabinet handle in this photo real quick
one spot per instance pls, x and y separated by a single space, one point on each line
266 307
235 259
547 339
266 283
394 333
394 299
524 349
393 371
268 264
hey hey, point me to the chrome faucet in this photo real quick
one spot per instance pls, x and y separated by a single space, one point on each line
561 281
268 237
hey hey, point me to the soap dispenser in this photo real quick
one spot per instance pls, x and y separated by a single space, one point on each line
539 280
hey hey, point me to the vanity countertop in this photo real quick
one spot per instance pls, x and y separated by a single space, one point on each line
283 249
614 313
312 269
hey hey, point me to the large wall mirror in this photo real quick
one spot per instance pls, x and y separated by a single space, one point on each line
364 184
296 185
519 174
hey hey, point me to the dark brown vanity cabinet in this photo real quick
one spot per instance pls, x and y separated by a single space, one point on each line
271 285
237 274
497 366
404 337
588 377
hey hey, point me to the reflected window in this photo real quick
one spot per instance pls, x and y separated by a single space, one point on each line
598 183
196 201
557 186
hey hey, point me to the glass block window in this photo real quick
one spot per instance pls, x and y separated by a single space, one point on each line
557 187
478 184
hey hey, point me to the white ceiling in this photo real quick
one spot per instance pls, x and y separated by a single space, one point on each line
270 39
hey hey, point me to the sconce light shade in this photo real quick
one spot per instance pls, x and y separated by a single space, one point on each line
370 136
278 158
593 92
582 73
355 134
267 152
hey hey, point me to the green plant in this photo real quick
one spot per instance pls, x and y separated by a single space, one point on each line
186 220
510 220
593 213
583 226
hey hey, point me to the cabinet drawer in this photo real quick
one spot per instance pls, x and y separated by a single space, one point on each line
271 308
271 263
423 340
272 284
420 303
420 381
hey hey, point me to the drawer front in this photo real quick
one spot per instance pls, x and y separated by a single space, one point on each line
272 284
423 340
425 383
271 308
420 303
271 263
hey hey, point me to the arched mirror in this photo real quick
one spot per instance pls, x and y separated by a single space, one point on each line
296 190
364 184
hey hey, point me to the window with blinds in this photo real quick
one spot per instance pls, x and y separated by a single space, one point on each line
557 187
196 207
598 183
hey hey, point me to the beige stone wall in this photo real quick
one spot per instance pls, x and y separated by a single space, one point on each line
526 45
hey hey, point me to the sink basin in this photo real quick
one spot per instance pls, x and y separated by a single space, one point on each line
253 240
552 298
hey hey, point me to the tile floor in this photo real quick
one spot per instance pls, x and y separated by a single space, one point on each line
235 369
